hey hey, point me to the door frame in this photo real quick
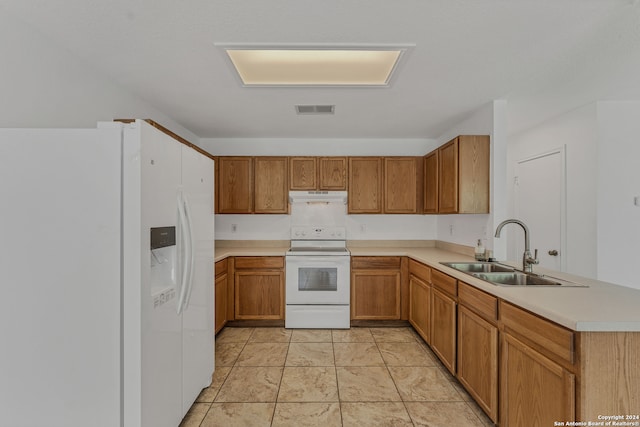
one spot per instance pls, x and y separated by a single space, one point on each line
562 150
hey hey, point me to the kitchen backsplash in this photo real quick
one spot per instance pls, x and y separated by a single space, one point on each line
359 227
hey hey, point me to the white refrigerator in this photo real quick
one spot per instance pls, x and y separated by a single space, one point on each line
106 266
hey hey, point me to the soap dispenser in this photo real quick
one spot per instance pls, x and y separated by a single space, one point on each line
480 256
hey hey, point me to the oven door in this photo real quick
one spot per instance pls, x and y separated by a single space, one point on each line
318 279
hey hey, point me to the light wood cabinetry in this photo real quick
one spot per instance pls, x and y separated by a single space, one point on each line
221 295
235 185
365 185
463 175
420 298
303 173
332 174
402 185
376 288
259 288
318 173
443 328
537 386
430 175
252 185
477 351
271 194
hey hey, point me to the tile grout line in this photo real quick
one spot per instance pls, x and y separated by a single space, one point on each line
225 379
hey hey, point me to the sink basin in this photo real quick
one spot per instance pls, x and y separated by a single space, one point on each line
516 278
478 267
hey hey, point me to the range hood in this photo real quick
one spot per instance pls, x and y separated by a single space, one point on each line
318 197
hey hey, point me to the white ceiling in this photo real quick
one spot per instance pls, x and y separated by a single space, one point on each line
467 53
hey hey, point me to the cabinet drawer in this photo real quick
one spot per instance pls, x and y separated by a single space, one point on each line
221 267
538 331
375 262
420 270
444 282
480 302
259 262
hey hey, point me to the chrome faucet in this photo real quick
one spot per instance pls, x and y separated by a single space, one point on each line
527 260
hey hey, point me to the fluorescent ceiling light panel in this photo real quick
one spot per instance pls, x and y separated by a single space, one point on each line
315 67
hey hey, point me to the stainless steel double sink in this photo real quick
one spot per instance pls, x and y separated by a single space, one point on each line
503 275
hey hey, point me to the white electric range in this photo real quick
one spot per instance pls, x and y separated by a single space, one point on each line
318 291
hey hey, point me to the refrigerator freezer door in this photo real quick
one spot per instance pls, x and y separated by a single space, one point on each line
60 264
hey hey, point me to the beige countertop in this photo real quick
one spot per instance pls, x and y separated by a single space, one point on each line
599 307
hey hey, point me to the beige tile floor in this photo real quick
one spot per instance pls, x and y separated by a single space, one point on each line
319 377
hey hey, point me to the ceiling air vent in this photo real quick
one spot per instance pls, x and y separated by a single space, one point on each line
315 109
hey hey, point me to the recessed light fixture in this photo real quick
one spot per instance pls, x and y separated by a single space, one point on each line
314 65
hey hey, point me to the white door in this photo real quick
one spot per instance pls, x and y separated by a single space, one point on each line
540 202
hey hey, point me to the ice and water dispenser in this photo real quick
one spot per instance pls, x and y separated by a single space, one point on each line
163 265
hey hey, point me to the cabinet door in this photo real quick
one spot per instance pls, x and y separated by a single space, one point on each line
235 184
259 295
443 328
478 359
431 182
332 173
400 185
221 302
420 306
375 294
448 177
271 193
534 390
473 174
302 173
365 185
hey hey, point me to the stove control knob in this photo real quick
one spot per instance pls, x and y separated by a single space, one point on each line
304 234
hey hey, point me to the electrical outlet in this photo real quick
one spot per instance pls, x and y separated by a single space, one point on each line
363 228
234 228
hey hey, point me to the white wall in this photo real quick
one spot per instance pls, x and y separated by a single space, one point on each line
618 162
43 85
316 147
576 130
359 227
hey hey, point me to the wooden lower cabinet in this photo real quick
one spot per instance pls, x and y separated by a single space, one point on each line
443 328
259 288
376 288
419 306
221 295
375 295
478 359
535 391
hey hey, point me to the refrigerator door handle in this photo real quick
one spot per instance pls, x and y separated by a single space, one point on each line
185 255
191 246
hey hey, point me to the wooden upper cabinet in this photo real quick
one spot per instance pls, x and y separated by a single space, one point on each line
463 175
318 173
401 184
235 185
365 185
332 173
271 193
431 182
303 173
448 177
